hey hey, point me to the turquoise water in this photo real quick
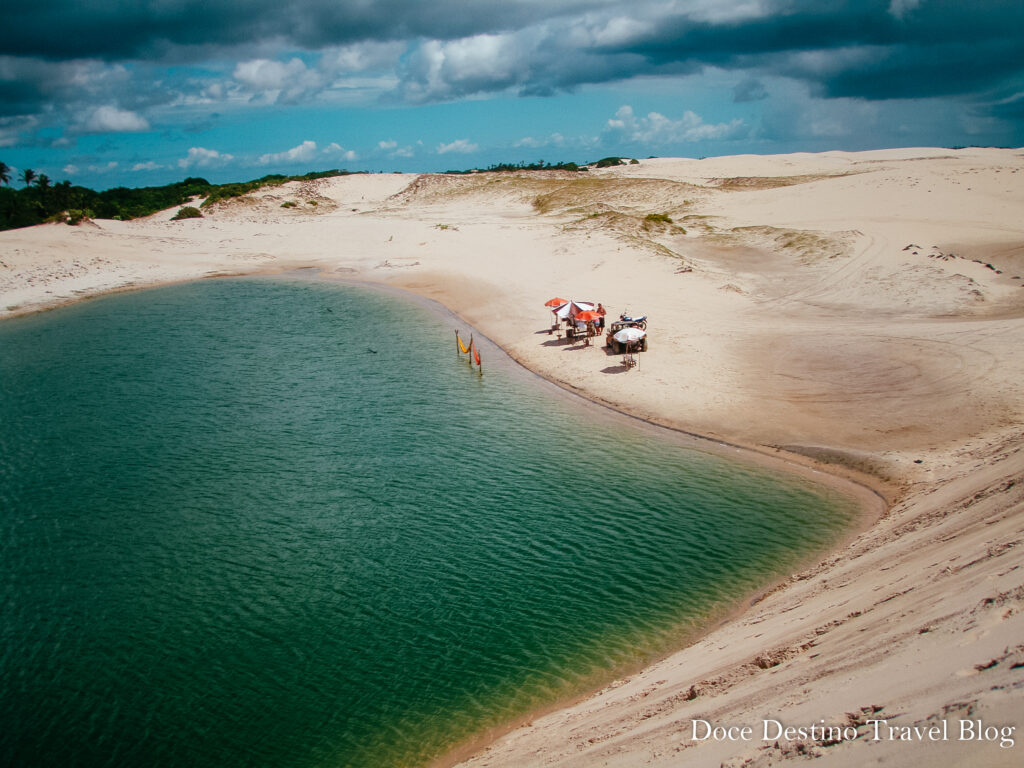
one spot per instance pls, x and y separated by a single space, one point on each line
232 534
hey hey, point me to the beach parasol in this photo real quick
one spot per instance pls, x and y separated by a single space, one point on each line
572 308
629 335
588 316
556 302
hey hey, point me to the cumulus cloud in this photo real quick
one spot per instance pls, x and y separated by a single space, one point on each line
149 165
304 152
459 146
393 150
531 142
200 157
536 61
334 149
656 129
361 57
277 81
110 119
439 70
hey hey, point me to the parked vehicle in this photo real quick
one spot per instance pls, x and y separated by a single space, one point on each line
620 342
640 322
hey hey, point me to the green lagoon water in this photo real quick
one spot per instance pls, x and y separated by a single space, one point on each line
233 535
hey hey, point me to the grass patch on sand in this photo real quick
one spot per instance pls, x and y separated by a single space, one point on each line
806 246
634 195
188 212
751 183
518 186
658 218
634 230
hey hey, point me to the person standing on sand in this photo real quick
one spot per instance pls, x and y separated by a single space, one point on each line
602 312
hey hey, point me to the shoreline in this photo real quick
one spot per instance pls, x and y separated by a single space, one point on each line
778 458
788 325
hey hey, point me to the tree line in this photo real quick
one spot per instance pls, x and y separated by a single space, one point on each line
540 165
40 200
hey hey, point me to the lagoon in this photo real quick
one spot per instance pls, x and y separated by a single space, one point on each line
274 522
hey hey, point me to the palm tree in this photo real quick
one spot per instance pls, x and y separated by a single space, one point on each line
43 182
5 173
27 176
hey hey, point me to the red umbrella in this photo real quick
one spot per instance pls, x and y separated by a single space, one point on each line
555 302
587 316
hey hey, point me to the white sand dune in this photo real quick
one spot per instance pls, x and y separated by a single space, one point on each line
859 313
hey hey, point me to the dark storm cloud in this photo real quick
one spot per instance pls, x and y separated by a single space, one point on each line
18 97
1011 109
112 29
916 47
919 71
868 49
909 49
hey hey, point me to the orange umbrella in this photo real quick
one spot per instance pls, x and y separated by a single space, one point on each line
555 302
587 316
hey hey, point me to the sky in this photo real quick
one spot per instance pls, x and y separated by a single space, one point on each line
140 92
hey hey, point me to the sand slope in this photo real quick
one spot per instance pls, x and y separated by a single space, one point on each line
865 310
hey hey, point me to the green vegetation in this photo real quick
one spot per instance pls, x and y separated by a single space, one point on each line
73 217
289 204
228 191
651 220
41 200
540 165
608 162
188 212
